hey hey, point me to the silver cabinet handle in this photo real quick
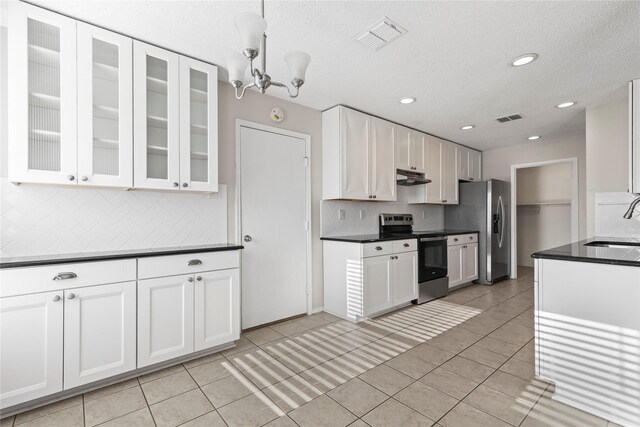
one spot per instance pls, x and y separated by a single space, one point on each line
84 178
189 279
185 185
194 262
56 298
199 278
374 196
71 296
175 184
455 239
406 245
470 179
470 237
371 197
378 248
247 238
71 177
65 276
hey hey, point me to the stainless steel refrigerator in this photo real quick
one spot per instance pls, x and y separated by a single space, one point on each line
485 206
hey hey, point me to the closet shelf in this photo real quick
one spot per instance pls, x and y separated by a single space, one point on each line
44 56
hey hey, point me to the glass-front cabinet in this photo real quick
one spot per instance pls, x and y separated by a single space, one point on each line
176 121
157 117
198 125
105 108
42 95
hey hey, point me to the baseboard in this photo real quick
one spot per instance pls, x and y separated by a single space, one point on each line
316 310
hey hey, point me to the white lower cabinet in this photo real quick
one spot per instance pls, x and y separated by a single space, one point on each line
217 308
165 319
99 332
31 331
462 259
362 280
378 282
405 277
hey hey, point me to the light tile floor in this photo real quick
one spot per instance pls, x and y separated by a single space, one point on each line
463 360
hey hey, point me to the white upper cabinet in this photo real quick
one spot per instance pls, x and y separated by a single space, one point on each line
358 156
469 164
449 173
42 96
434 170
198 125
105 108
634 136
157 117
410 149
383 172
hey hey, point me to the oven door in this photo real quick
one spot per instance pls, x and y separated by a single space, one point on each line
432 258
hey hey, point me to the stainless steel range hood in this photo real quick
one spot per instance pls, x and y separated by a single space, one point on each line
408 178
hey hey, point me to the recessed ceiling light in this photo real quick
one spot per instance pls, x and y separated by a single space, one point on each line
407 100
524 59
534 137
565 104
467 127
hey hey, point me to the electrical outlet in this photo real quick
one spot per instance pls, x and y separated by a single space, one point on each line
362 214
341 214
424 214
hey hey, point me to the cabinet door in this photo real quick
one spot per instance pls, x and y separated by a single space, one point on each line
449 174
31 347
455 265
403 148
105 108
217 308
156 118
383 168
165 319
405 277
434 154
355 130
475 165
198 125
99 332
416 151
464 166
378 282
470 262
42 95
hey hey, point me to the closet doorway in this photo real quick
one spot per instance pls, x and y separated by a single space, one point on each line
545 208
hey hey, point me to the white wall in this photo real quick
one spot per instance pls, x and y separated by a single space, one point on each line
542 222
607 151
497 163
425 217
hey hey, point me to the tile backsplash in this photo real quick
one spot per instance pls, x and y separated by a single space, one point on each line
425 217
610 207
40 220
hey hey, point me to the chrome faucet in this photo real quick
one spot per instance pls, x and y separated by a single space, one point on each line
632 207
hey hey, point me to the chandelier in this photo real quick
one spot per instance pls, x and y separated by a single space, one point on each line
254 43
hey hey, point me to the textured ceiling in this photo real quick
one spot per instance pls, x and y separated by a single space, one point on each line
454 57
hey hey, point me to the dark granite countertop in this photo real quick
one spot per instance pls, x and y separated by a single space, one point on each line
31 261
602 255
368 238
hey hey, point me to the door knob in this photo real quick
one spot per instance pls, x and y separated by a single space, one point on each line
247 238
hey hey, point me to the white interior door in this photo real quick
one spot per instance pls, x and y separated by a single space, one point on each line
273 210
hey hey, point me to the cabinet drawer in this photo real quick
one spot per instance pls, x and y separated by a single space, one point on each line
20 281
457 239
470 238
377 248
405 245
180 264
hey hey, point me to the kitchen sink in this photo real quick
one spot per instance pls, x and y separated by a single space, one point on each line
620 245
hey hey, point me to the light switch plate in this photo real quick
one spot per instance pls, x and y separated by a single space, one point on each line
341 214
362 214
424 214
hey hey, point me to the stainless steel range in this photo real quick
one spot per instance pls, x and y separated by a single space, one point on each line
433 281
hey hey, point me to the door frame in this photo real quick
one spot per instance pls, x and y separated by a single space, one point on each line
285 132
575 201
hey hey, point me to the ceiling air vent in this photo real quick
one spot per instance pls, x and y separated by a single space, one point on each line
380 34
510 118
